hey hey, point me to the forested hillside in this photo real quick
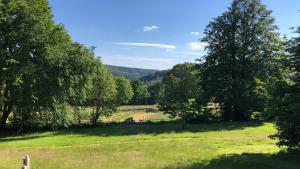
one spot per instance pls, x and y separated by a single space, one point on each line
154 77
130 73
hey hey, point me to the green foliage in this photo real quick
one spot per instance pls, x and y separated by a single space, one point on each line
288 112
40 66
140 91
43 73
180 92
124 90
57 117
156 91
102 96
243 54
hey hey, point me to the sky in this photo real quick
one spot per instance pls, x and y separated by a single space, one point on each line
152 34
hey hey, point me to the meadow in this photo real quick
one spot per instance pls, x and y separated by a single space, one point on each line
228 68
149 144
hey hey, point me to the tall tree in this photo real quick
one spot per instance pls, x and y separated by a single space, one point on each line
288 112
181 91
242 47
103 94
39 64
124 90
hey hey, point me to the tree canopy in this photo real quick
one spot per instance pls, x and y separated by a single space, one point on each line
102 96
242 49
40 66
180 91
124 90
140 93
288 112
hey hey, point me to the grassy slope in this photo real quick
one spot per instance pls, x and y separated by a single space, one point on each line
149 146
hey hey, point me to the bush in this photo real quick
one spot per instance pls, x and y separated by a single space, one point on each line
58 117
288 121
129 121
261 116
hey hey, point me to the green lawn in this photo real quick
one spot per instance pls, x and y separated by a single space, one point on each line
219 146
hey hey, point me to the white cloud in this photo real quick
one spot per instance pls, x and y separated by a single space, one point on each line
195 33
154 45
150 28
197 45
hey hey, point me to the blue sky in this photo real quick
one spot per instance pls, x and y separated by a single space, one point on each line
154 34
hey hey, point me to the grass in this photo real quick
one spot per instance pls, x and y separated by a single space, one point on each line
207 146
150 112
153 144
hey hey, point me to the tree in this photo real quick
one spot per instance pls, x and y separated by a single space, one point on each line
40 66
140 91
181 90
103 94
242 49
155 90
288 112
124 90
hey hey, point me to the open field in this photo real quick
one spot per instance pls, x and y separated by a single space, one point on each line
138 113
207 146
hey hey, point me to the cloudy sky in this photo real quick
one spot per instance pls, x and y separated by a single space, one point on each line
154 34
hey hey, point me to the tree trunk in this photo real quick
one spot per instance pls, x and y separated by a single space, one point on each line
96 116
7 110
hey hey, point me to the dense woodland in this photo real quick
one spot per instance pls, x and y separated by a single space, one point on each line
249 73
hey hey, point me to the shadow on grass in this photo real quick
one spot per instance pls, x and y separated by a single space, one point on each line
155 128
123 129
282 160
5 139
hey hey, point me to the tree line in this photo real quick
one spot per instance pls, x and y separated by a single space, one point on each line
248 72
43 73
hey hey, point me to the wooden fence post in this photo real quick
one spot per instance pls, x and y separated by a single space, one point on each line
26 162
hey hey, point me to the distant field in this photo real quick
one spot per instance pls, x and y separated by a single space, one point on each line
139 113
136 146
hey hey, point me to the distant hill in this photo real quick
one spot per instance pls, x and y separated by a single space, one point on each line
134 73
154 77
